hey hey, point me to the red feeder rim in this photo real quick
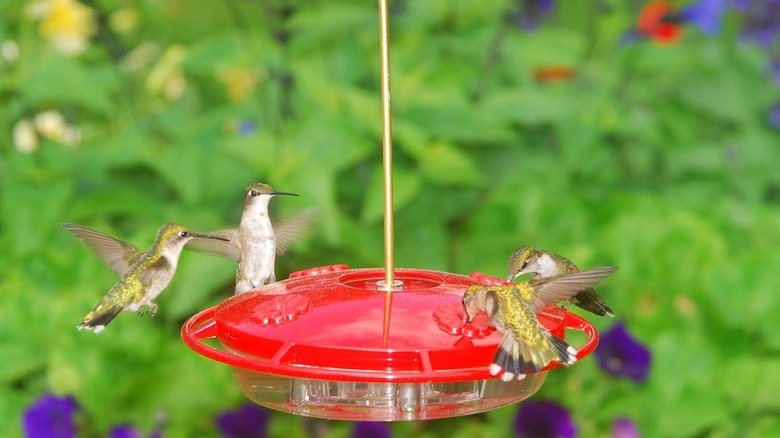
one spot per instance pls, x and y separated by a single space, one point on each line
329 323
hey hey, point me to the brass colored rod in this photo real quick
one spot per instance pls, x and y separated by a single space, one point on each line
387 143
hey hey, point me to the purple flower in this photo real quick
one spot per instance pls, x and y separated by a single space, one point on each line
527 13
371 429
704 14
245 127
543 419
250 421
620 355
773 70
624 428
50 417
127 431
774 116
761 23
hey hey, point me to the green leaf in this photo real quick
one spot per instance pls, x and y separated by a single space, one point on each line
324 23
30 214
455 120
751 391
684 370
63 80
213 53
406 187
530 105
201 281
332 140
550 46
444 164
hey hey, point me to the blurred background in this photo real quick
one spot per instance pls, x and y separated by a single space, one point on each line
630 133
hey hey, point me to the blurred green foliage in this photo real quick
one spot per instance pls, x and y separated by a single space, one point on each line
655 159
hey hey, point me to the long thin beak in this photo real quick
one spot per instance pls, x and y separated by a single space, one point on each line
511 277
210 236
283 193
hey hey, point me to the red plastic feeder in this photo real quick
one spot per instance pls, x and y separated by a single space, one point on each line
320 344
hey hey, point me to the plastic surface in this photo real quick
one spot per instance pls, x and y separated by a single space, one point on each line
320 344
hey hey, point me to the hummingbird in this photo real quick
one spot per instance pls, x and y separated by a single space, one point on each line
526 346
542 264
257 240
143 274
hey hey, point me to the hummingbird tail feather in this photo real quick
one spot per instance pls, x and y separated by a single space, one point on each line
516 359
99 318
564 353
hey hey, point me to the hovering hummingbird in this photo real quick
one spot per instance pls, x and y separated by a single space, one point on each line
542 264
527 346
257 240
144 274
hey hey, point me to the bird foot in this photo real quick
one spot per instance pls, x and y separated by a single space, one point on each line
149 308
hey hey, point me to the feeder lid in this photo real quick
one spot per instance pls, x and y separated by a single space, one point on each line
330 323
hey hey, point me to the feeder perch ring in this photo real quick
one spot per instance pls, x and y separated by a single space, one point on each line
320 344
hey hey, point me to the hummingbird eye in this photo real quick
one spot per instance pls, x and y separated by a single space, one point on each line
183 233
253 193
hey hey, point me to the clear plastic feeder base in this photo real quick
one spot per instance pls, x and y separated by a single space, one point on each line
330 342
364 401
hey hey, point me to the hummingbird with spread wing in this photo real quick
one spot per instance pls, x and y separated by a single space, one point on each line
542 264
143 274
258 240
527 346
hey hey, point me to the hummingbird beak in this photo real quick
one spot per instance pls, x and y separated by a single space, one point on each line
274 193
210 236
512 277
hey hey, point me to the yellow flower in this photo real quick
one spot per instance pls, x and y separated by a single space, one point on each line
240 83
9 51
66 24
51 124
124 20
25 137
27 134
141 57
166 77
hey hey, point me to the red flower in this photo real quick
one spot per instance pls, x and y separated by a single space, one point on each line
656 21
554 73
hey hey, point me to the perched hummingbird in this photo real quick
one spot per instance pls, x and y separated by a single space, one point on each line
543 264
144 274
527 346
254 244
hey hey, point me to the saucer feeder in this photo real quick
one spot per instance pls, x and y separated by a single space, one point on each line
325 343
369 344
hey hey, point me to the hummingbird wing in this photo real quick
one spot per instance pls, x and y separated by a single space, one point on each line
565 286
230 249
593 303
587 299
290 229
120 256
